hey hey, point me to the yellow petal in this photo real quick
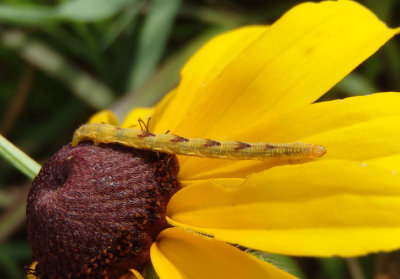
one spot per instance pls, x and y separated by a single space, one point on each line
159 111
325 116
133 274
131 120
390 162
364 141
203 67
358 128
104 116
32 267
290 64
322 208
179 254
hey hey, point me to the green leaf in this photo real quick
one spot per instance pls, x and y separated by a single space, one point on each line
18 159
9 266
90 10
121 23
333 267
26 14
86 87
11 254
392 52
382 8
152 40
12 219
73 10
16 249
356 85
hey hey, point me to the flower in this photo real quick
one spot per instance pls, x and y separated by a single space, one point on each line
259 83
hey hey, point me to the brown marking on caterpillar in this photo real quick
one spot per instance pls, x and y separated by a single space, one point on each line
269 146
179 139
211 143
146 134
241 145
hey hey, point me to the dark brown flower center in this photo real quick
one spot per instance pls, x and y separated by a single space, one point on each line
93 211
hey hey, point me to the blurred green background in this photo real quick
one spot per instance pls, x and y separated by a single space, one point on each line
61 61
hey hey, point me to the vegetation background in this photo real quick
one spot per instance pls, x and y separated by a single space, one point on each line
63 60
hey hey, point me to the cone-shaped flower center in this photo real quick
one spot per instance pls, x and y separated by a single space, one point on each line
93 211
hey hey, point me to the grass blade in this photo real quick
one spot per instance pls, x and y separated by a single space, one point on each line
120 24
166 78
92 91
152 40
89 10
26 14
78 10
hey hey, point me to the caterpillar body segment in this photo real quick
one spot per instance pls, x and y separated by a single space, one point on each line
235 150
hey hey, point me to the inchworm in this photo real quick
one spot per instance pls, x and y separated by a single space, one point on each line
235 150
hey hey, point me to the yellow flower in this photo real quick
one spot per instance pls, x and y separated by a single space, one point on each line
259 83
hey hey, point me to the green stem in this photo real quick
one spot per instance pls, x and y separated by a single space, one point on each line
18 159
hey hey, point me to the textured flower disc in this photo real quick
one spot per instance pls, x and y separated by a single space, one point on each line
93 211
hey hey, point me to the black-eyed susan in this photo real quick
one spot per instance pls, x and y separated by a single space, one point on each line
254 84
